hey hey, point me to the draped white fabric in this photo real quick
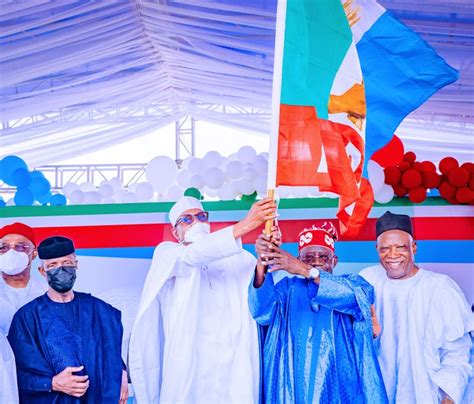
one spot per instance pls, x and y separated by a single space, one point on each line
78 76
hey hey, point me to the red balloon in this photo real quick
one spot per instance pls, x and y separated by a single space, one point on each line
428 166
465 195
400 190
446 190
431 179
404 166
417 166
411 179
410 157
417 195
447 164
391 154
468 166
392 175
471 182
459 177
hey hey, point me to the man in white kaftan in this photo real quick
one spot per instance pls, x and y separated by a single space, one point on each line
194 339
424 346
8 383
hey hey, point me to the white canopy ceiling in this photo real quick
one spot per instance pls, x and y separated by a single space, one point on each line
82 75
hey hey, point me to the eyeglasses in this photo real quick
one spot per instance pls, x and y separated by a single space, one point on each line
311 258
21 248
188 218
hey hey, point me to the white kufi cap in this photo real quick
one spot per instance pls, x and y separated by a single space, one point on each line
184 204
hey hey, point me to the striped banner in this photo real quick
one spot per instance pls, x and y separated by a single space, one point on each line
127 232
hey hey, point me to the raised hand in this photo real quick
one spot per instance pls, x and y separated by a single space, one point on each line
259 213
70 384
279 259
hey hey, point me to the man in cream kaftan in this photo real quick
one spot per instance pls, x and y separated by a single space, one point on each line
194 340
424 346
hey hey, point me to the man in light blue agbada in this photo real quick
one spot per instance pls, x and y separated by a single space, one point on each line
317 326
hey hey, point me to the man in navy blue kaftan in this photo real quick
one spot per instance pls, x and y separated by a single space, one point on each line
67 344
318 344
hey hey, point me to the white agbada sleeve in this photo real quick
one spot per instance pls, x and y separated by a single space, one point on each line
451 320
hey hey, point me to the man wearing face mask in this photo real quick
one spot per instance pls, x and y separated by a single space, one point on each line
318 342
17 286
67 344
194 340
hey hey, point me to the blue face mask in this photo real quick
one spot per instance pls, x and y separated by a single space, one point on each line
62 279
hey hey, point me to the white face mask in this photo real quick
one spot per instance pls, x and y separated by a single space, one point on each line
13 262
196 232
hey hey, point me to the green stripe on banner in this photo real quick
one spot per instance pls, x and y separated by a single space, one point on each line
164 207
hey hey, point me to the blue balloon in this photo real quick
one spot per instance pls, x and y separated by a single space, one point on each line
44 199
36 174
2 204
24 197
21 177
9 165
40 187
58 200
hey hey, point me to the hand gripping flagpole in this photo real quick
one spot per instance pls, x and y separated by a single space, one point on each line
276 96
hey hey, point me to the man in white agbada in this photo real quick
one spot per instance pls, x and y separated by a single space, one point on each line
423 349
17 286
194 339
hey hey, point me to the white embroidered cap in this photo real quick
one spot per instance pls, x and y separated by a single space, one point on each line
182 205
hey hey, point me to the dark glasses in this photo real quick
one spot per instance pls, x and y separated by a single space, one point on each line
188 218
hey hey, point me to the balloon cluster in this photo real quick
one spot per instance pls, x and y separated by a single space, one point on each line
31 186
415 178
243 174
457 182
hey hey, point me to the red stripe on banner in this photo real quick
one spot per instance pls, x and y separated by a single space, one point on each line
148 235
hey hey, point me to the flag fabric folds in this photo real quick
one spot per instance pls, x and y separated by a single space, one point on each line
349 74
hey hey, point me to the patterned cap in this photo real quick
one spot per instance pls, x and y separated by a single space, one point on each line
325 235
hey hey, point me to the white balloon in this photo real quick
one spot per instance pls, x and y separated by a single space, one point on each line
245 187
196 165
197 182
161 172
264 155
385 194
106 190
249 174
233 170
129 197
261 184
184 178
87 187
376 176
212 159
185 163
119 195
226 193
132 187
233 157
92 198
116 183
175 192
214 177
69 188
108 200
211 192
247 154
10 202
144 191
76 197
260 165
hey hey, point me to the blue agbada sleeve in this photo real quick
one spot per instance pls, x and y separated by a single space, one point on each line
33 371
339 293
263 301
